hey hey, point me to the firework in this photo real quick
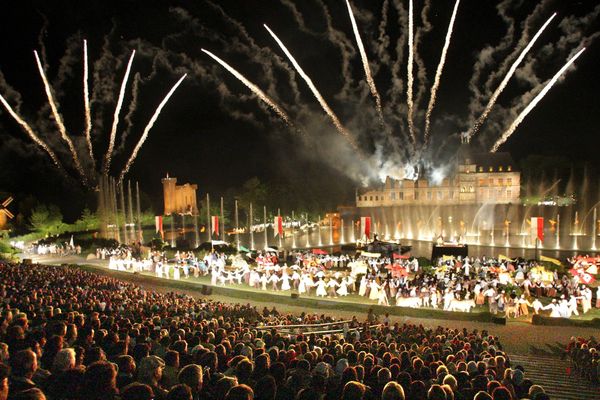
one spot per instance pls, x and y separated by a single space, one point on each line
409 71
316 93
113 131
86 106
365 62
534 102
255 89
438 74
31 133
148 127
504 82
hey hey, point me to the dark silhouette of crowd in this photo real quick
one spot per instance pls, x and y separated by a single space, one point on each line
584 355
74 335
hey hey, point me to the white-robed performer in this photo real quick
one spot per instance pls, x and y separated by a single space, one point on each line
263 281
321 288
382 299
295 279
332 284
554 309
586 299
176 273
374 294
343 289
363 286
159 269
285 281
274 280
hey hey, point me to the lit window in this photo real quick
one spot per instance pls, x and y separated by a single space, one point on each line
393 195
500 168
471 189
509 181
509 194
509 168
480 169
491 169
401 195
500 181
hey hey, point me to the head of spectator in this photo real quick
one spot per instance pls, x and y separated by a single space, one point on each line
100 381
240 392
137 391
353 391
180 392
392 391
191 375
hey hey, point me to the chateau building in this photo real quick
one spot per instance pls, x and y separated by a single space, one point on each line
477 178
179 199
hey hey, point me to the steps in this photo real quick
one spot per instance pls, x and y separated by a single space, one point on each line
553 374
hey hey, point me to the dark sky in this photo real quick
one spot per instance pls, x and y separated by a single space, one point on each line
215 134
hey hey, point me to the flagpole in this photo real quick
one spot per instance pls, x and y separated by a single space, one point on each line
208 220
250 228
265 226
277 227
237 227
222 222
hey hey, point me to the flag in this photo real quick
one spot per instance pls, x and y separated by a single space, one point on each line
502 257
537 228
365 226
214 220
550 260
158 224
278 226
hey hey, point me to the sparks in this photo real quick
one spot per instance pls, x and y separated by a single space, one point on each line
438 73
113 131
86 106
341 129
149 126
534 102
365 62
31 133
58 119
409 70
504 82
255 89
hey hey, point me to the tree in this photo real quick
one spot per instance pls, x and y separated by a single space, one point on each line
87 221
253 191
47 220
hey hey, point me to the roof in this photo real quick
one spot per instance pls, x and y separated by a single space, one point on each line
487 160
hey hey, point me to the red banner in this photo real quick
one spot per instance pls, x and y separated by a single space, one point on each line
214 220
278 226
158 223
365 226
537 228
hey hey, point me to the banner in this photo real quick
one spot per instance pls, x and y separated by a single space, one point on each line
502 257
537 228
278 226
158 224
550 260
214 221
365 227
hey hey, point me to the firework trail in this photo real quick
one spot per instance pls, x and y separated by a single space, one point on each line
31 133
409 69
255 89
316 93
86 106
113 131
438 73
58 119
533 103
139 144
365 61
504 82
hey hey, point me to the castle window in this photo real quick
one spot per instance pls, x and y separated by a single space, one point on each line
480 169
376 198
471 189
509 168
416 195
451 194
500 181
491 169
371 198
509 181
463 189
393 195
439 195
428 195
509 194
401 195
500 169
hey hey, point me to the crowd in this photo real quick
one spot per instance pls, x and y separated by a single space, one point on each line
70 334
584 355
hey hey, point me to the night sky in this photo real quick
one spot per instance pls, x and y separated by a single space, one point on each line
215 133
